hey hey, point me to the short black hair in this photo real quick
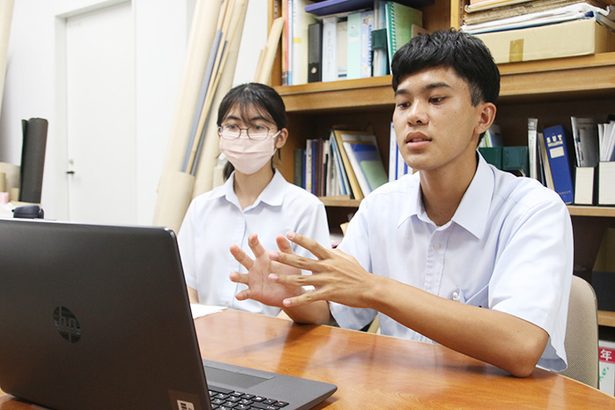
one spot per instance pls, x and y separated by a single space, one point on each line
264 98
465 54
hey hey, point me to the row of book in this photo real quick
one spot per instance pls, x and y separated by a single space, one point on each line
338 39
579 165
524 30
483 16
347 165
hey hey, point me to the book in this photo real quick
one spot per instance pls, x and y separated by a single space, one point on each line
606 183
353 45
327 7
584 185
585 138
578 11
299 48
329 48
490 4
365 61
559 161
342 177
341 41
380 64
352 178
547 177
513 10
309 158
366 162
361 149
493 155
515 160
299 166
315 52
400 20
606 141
532 147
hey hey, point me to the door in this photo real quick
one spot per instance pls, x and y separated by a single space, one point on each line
100 116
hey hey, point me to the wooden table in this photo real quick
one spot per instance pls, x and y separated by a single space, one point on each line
378 372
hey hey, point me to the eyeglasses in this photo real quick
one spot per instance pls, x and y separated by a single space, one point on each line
254 132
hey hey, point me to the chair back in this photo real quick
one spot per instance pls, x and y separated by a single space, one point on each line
581 341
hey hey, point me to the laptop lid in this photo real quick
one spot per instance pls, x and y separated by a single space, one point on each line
98 317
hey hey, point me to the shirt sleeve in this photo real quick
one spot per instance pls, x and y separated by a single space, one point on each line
314 225
533 274
356 243
185 242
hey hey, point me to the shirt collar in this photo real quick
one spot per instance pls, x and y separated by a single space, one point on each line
472 212
273 194
413 189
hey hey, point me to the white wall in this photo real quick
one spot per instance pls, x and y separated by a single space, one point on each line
32 90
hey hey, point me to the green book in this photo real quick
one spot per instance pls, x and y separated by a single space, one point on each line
402 21
492 155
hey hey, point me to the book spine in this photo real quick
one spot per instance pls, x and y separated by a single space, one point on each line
555 143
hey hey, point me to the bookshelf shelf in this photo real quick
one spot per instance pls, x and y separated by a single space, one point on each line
340 203
546 78
606 318
596 211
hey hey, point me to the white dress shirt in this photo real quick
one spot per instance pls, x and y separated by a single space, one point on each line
215 221
508 247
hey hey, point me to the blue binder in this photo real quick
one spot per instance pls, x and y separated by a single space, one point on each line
559 160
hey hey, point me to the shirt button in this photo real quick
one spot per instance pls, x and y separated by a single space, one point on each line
455 296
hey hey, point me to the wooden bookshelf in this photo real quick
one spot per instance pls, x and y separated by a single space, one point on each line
606 318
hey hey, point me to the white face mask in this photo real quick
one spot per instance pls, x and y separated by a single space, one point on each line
246 155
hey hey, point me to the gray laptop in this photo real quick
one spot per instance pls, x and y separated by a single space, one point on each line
97 317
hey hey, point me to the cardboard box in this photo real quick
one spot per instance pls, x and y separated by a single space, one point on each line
606 369
572 38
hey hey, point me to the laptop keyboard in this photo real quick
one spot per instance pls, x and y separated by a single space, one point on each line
223 399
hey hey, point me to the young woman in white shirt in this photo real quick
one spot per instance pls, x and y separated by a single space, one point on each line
255 199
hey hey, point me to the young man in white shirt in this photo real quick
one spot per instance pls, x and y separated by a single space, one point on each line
459 253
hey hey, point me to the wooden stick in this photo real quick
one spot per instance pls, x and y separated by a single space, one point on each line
270 50
259 64
213 85
210 150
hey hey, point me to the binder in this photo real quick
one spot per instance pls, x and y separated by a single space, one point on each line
559 161
606 183
329 48
532 146
400 21
584 185
315 52
353 45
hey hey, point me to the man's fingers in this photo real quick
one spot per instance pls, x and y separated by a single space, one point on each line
310 244
256 246
283 244
277 267
241 257
295 261
301 280
243 295
306 297
239 277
